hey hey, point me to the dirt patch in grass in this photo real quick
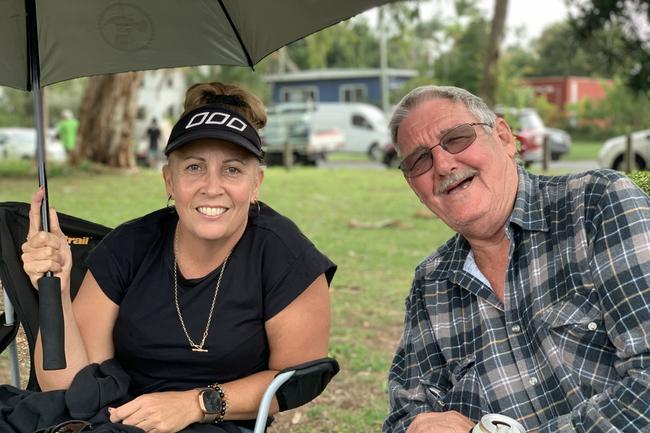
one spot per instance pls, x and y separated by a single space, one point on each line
347 392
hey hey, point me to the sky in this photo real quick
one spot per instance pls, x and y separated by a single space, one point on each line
531 15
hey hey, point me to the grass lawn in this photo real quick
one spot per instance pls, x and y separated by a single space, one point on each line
582 150
337 209
347 156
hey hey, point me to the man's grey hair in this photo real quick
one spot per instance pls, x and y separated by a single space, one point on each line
475 105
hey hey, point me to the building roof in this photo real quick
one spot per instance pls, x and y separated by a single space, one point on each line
333 74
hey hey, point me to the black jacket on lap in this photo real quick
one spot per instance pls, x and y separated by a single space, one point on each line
93 390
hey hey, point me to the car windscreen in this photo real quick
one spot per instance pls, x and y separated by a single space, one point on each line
530 121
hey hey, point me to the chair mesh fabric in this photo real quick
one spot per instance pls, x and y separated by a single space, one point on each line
14 224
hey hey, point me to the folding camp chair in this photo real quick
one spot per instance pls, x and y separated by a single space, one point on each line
292 387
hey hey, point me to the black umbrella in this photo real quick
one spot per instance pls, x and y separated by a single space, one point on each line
47 41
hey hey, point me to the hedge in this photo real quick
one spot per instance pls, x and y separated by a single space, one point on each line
641 178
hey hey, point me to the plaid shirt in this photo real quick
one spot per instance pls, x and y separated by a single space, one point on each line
570 349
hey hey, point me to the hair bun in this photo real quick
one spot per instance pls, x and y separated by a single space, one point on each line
213 98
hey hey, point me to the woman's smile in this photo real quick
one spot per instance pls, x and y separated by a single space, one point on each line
212 211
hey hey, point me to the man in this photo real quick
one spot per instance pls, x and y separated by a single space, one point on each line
67 130
539 307
153 134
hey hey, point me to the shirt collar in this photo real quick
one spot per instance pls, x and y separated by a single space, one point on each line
528 211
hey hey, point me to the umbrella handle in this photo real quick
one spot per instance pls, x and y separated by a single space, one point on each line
50 319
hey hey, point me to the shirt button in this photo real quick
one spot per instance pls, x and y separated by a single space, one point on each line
592 326
532 381
515 328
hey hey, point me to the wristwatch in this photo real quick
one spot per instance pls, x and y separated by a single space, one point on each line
211 404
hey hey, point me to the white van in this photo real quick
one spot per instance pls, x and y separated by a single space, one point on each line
364 126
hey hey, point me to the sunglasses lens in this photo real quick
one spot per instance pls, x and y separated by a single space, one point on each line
458 139
74 426
417 163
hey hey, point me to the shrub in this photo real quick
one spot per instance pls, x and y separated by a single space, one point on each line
642 179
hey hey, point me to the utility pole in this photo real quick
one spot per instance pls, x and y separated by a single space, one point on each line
383 62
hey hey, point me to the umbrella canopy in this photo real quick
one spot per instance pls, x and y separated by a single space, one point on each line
77 38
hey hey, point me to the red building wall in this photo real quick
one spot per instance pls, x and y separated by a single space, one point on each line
568 90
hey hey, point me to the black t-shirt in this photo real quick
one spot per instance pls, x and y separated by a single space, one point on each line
269 267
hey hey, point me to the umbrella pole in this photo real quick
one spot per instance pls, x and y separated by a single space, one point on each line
50 310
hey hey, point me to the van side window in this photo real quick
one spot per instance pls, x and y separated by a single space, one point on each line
361 122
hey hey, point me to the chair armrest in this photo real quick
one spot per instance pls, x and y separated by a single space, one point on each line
295 386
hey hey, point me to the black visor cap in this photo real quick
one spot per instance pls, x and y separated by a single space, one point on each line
215 121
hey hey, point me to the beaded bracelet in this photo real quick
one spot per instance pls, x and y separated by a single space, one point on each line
224 402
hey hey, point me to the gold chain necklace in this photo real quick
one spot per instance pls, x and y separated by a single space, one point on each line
196 347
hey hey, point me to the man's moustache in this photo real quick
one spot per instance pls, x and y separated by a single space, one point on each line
454 178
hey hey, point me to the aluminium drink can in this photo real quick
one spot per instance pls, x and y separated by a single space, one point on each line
495 423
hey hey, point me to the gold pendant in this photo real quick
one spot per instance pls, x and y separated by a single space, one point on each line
199 349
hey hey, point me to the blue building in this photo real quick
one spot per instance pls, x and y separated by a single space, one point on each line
335 85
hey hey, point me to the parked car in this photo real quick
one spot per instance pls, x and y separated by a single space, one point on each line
612 152
529 129
20 143
309 143
559 142
389 156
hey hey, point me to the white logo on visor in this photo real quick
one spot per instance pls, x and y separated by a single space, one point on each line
216 118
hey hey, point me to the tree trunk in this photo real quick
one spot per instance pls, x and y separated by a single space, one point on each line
106 119
491 65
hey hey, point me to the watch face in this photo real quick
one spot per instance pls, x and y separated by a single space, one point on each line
211 401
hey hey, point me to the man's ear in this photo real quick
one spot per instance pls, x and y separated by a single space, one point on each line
506 137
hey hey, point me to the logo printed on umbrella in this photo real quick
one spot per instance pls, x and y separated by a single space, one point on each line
125 27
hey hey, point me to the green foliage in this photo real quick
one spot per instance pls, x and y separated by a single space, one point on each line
511 90
642 179
16 108
346 45
549 112
243 76
632 52
560 52
462 65
65 95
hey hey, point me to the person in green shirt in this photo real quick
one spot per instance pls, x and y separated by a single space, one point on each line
67 130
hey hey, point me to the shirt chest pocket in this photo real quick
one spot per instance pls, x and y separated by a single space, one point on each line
575 323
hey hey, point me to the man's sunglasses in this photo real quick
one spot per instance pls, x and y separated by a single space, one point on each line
72 426
453 141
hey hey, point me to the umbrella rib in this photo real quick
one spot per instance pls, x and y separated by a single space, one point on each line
234 29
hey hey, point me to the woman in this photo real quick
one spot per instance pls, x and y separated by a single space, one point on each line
203 302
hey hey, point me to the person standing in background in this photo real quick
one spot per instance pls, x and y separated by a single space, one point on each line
153 134
67 131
